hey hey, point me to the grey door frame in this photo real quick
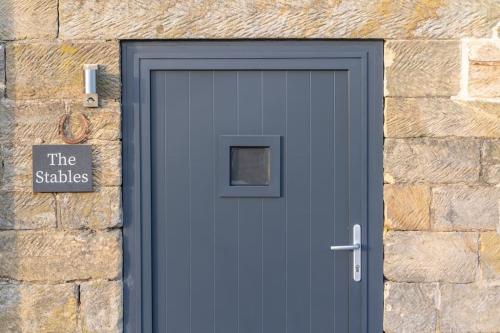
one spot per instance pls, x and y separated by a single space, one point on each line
139 58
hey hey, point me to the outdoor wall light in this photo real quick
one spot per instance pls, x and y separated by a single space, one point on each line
91 99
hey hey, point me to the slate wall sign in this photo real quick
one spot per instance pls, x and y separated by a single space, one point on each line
62 168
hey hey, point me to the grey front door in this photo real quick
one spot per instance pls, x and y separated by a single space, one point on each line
250 160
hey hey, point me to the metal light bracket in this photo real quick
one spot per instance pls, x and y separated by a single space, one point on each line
91 99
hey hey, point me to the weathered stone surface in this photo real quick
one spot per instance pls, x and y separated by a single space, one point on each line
54 69
490 255
95 210
21 19
60 256
261 19
17 169
2 70
465 208
484 50
101 306
38 308
407 207
431 160
430 256
422 68
410 307
25 210
440 117
490 164
107 163
484 80
37 122
469 308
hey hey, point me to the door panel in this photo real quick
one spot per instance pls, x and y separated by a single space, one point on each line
250 264
199 262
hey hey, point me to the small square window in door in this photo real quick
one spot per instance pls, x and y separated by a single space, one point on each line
249 165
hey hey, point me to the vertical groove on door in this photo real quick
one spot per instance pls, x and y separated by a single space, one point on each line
158 245
274 210
189 202
214 192
202 189
250 218
298 195
226 213
177 197
341 234
322 171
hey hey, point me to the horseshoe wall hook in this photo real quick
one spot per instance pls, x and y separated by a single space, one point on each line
81 135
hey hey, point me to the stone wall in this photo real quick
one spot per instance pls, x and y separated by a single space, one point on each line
60 254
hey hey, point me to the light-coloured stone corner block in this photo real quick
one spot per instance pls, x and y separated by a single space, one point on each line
431 160
410 307
47 70
26 210
465 208
95 210
416 256
38 308
60 255
28 19
484 50
275 19
31 122
469 308
415 68
407 207
484 79
440 117
101 309
490 255
484 68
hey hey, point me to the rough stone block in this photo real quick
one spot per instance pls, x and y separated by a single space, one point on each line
94 210
37 121
484 50
38 308
407 207
54 69
431 160
422 68
430 256
440 117
410 307
25 210
101 306
490 255
33 19
16 166
463 208
484 79
107 163
490 161
274 19
60 256
469 308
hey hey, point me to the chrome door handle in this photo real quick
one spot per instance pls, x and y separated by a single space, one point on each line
356 251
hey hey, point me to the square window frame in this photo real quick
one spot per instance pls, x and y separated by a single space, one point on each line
273 142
